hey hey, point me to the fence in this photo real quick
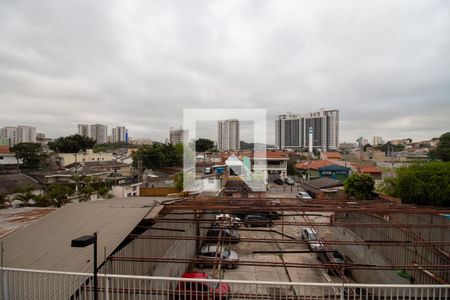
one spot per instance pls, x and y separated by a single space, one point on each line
33 284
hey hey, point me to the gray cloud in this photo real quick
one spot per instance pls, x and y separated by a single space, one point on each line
384 64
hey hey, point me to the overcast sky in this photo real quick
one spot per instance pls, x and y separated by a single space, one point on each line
384 64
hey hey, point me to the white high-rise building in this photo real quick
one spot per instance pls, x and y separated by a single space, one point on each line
292 130
83 129
25 134
228 135
176 136
377 140
118 134
9 133
98 133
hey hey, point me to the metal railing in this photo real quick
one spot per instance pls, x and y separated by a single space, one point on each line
34 284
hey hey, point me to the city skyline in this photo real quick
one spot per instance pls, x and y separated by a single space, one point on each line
141 64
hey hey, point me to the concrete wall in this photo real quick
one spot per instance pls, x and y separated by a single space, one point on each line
158 191
422 255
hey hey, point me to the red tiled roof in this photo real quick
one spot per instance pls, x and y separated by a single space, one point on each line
4 149
369 169
331 155
314 164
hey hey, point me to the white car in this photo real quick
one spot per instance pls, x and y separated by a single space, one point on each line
209 253
226 220
304 196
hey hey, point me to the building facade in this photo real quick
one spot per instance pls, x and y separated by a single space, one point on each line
9 134
228 135
119 134
292 130
83 129
25 134
377 140
98 133
176 136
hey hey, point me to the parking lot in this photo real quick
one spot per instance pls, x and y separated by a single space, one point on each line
251 251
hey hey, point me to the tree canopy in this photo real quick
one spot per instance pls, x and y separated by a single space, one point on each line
72 144
443 148
422 184
159 155
30 153
202 145
359 186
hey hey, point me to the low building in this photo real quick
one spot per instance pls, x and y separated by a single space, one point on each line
331 155
114 168
373 171
8 160
236 188
66 159
276 166
126 190
324 188
322 168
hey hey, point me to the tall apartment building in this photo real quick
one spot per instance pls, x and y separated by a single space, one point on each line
377 140
83 129
98 133
9 134
176 136
25 134
228 135
292 130
119 134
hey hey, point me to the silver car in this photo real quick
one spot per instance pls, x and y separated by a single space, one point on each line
210 253
309 235
303 196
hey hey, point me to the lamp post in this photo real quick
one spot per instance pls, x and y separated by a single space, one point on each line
82 242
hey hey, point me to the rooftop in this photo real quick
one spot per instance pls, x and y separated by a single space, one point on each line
13 183
313 164
49 238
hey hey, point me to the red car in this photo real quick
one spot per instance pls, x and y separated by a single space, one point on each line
202 290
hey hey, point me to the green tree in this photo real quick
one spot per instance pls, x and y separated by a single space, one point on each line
423 184
58 194
4 200
103 191
178 180
246 146
25 195
202 145
291 170
359 186
158 155
72 144
30 153
443 148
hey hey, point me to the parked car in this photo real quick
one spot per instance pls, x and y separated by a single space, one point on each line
209 253
289 181
226 235
309 235
257 220
279 181
227 221
304 196
334 257
273 215
188 290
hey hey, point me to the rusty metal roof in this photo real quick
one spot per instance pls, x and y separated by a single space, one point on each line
45 245
12 219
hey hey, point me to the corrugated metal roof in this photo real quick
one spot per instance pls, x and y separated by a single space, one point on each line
45 245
